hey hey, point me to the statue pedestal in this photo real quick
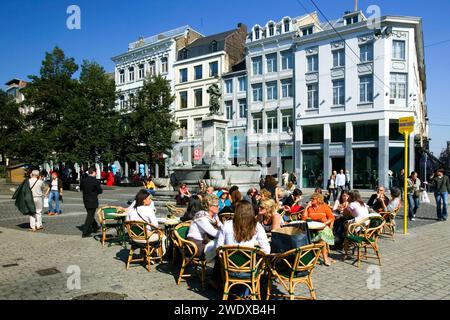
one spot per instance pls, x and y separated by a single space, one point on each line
214 130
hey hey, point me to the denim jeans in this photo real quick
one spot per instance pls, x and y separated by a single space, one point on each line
413 205
54 195
442 198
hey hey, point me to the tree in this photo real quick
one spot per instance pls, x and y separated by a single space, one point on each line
148 129
11 124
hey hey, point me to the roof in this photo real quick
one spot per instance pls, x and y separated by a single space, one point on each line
201 46
15 81
158 37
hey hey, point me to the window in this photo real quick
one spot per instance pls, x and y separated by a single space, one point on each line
352 20
122 76
287 25
398 85
213 69
287 122
272 90
286 88
198 72
257 92
257 124
338 58
271 62
286 60
313 63
183 100
366 89
183 54
307 31
257 33
131 100
198 127
313 96
337 132
229 86
338 93
229 109
271 29
312 134
242 108
131 74
242 84
365 131
257 65
184 128
272 122
366 52
152 68
164 65
213 46
122 102
141 71
398 48
183 75
198 93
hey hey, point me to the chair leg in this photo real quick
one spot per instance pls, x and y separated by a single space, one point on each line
359 256
130 257
183 266
225 291
311 288
375 248
103 236
269 285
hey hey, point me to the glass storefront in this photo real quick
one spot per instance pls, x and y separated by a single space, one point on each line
396 162
312 168
365 131
337 132
365 168
312 134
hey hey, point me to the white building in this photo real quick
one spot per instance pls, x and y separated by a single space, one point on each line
352 84
151 56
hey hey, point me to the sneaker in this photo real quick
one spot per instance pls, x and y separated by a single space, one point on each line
40 228
412 219
51 213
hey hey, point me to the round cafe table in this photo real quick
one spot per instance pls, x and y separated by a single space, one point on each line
169 225
312 225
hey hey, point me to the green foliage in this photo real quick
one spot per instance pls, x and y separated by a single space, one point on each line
11 125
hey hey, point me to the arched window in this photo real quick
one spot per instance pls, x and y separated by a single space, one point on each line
257 33
213 46
271 29
286 25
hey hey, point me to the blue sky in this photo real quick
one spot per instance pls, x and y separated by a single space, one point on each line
29 28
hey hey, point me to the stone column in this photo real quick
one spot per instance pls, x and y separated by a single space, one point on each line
126 170
298 155
349 150
326 154
156 173
411 151
383 153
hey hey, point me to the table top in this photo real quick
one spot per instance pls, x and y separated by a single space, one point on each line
168 222
312 225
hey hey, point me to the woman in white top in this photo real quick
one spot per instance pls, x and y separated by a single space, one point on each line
356 209
244 230
205 226
143 210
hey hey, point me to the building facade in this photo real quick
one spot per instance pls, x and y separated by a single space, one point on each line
14 86
200 65
353 82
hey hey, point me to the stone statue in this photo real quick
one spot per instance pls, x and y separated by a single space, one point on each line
214 95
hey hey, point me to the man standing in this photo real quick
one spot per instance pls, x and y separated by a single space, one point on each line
441 186
37 188
340 181
91 189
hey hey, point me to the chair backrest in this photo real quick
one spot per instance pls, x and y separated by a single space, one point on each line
179 237
137 230
241 262
375 227
298 260
108 212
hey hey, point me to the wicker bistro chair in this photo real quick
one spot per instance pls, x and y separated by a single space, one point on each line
189 252
175 211
389 227
291 217
107 217
242 266
143 239
292 268
226 216
362 235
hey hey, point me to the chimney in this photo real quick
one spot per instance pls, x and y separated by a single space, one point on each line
356 5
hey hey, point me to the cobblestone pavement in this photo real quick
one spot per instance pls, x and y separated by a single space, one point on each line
415 266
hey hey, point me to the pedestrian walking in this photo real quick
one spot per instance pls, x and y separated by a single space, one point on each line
347 180
340 181
91 189
401 182
441 186
54 194
331 186
37 189
413 195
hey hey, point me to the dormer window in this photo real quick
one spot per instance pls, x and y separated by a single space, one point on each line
307 31
257 33
271 29
213 46
286 25
352 20
184 54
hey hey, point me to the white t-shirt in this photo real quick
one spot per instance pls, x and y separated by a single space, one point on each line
358 211
143 213
54 185
340 180
226 237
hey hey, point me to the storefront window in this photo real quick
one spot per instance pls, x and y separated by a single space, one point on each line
365 131
312 134
394 135
396 163
365 171
338 132
312 169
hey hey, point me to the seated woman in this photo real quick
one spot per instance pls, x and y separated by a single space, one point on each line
224 199
194 206
339 206
183 195
206 225
236 196
292 202
244 230
269 218
356 211
342 203
326 197
395 200
317 210
143 209
149 185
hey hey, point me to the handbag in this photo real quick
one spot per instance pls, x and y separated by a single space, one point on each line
416 193
46 202
424 197
290 237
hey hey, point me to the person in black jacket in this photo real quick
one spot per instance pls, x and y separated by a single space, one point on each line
91 189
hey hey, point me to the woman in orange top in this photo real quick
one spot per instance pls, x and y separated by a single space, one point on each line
317 210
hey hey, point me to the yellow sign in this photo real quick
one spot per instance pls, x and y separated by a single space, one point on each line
406 125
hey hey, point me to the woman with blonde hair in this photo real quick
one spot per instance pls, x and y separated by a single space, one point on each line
269 218
317 210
